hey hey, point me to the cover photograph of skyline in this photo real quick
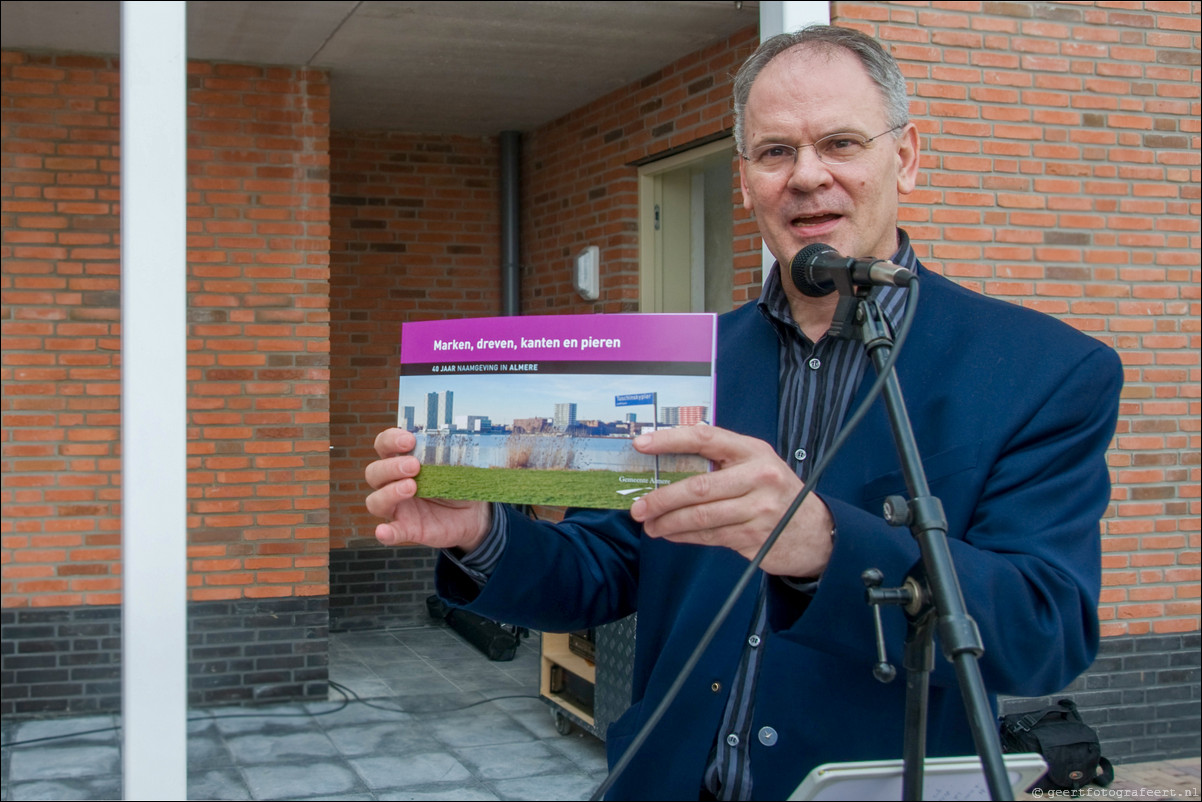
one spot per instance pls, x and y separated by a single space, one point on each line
504 397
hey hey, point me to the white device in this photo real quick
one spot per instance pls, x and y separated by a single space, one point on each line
587 275
942 778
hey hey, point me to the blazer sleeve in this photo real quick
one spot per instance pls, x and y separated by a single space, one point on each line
1028 555
575 574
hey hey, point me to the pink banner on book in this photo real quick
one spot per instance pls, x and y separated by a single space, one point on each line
569 338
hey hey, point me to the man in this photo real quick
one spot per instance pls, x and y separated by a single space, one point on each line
1012 412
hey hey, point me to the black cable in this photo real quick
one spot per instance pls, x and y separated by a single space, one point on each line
728 605
114 728
348 697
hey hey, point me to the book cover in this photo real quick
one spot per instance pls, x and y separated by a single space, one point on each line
542 409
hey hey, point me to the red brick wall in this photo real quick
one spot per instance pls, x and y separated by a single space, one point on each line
258 227
61 310
1061 171
415 236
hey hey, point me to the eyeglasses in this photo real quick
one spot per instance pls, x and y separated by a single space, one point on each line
833 149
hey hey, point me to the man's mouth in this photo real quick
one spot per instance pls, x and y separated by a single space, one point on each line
804 221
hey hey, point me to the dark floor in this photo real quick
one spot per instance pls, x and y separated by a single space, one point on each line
421 728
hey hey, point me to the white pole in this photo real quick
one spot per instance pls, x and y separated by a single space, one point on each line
154 663
790 15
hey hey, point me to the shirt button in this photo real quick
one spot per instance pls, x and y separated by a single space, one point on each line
753 641
799 455
767 736
732 739
717 686
814 363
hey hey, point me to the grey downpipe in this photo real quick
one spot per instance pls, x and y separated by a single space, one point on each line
511 223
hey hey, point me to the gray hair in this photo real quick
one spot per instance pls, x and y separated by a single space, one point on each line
879 65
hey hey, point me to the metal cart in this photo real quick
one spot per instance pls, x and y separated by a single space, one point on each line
583 689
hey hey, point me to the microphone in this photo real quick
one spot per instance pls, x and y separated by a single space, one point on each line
817 268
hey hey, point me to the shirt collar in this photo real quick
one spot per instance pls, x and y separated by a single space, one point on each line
774 304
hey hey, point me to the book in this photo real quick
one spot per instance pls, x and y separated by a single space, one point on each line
542 410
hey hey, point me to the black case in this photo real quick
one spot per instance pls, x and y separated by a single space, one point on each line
496 641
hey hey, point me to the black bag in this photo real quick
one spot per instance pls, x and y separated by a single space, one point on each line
498 642
1068 745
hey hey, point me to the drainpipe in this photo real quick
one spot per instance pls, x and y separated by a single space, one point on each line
511 222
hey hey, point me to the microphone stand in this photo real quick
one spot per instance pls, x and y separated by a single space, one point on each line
932 599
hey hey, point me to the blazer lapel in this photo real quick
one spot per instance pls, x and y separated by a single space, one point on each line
748 374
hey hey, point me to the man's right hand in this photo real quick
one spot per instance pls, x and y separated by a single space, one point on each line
439 523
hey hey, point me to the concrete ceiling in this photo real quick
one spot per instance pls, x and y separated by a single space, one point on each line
431 67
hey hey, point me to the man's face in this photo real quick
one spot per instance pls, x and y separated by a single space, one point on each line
799 98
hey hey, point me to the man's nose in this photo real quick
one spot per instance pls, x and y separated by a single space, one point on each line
808 170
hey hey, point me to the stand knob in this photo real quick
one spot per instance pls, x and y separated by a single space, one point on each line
897 511
883 670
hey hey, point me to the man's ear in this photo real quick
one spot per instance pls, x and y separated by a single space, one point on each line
907 160
747 203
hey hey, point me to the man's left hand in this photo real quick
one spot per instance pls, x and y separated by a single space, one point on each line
738 504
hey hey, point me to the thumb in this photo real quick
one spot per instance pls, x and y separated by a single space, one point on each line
391 534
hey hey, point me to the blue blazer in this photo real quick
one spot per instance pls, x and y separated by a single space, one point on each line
1012 411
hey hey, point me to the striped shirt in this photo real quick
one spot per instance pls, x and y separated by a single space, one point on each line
818 381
